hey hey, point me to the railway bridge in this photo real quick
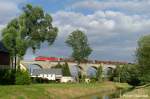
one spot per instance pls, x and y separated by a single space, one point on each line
83 67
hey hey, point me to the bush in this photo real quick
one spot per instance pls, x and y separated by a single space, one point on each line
22 78
128 74
99 73
145 78
143 58
66 70
93 79
7 76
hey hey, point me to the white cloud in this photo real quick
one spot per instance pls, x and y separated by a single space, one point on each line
136 6
113 28
101 22
8 10
113 34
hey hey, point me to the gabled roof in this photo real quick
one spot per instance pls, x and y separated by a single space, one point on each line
3 48
47 71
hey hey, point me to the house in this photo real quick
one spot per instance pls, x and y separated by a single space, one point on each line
66 79
50 74
4 57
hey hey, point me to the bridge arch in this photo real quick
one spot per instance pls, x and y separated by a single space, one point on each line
31 67
91 71
94 67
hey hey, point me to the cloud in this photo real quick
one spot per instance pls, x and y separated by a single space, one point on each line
113 27
129 6
9 9
112 35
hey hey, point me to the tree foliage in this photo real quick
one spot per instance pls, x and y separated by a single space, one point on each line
99 73
22 77
57 66
66 70
30 29
7 76
64 67
79 43
143 58
127 73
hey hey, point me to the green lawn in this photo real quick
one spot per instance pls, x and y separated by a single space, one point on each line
55 91
139 93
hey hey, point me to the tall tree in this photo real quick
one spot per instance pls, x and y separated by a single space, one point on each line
143 58
80 46
66 70
79 43
30 29
64 67
126 73
99 73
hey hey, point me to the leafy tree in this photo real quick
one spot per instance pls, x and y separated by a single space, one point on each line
110 73
116 74
79 43
127 73
57 66
64 67
11 38
143 58
66 70
22 77
7 76
30 29
80 46
99 73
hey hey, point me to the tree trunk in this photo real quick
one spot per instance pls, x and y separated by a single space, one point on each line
15 61
18 62
79 72
11 63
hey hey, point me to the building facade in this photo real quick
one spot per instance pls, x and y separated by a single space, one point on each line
50 74
4 57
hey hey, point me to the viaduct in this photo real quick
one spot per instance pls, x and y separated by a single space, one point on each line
83 67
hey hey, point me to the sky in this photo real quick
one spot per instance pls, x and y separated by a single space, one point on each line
113 27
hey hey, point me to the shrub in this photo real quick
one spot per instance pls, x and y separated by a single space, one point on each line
64 67
127 73
66 70
143 58
99 73
7 76
22 78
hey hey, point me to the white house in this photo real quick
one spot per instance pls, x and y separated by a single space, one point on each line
50 74
66 79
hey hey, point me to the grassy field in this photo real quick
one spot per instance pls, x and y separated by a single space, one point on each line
138 93
56 91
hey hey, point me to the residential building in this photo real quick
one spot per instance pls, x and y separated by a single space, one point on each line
4 57
66 79
50 74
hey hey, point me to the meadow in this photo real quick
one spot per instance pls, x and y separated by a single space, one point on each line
57 90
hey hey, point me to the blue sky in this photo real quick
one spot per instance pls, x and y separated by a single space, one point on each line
113 27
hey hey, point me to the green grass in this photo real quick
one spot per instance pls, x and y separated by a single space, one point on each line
55 91
23 92
138 93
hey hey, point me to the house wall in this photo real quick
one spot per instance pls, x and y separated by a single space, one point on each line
47 76
67 79
4 60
